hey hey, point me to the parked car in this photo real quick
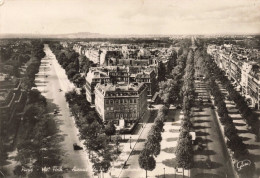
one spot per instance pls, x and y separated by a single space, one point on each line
77 147
56 111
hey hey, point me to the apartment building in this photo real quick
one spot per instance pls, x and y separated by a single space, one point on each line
240 68
122 103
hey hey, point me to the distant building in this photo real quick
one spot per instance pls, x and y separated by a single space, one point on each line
122 103
94 77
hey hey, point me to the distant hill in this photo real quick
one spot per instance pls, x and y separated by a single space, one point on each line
69 35
77 35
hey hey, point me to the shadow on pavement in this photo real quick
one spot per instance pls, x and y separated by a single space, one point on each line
169 150
253 147
233 112
170 162
135 152
254 157
141 140
245 138
204 165
199 134
40 85
257 171
174 176
239 124
201 115
242 131
203 141
174 131
205 152
201 121
200 127
236 118
137 129
208 175
172 139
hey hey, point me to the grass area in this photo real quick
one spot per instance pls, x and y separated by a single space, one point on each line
169 149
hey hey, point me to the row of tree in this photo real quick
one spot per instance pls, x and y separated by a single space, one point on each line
97 137
234 141
33 67
248 115
38 139
184 151
170 90
72 63
152 146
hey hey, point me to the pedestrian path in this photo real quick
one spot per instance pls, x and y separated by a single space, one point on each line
212 159
248 138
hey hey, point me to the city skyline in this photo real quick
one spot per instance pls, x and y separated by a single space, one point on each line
130 17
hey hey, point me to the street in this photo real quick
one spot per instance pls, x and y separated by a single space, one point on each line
49 81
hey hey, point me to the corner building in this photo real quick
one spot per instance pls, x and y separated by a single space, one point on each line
123 103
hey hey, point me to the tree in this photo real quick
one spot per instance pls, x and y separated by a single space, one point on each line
35 96
110 129
146 161
184 153
161 72
18 171
71 72
153 146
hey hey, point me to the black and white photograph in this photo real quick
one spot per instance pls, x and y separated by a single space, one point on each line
129 88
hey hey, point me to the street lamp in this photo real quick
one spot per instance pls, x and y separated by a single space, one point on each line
164 172
130 142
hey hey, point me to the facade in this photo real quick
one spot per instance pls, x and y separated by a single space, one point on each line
94 77
122 103
240 67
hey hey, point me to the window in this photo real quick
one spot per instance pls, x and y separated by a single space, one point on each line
111 101
107 102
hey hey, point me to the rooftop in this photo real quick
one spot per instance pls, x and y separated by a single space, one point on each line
120 86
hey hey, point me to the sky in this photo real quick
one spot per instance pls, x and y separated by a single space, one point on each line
170 17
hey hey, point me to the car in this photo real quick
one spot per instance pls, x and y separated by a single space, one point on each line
56 111
178 107
60 90
77 147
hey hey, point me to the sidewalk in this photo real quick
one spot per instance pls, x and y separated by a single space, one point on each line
126 150
248 138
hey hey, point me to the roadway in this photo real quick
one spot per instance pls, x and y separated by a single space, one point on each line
49 86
